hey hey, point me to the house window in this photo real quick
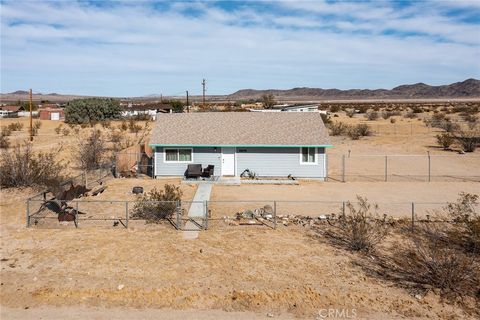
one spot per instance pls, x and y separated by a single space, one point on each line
308 156
178 155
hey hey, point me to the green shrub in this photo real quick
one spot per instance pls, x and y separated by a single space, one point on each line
92 109
445 140
158 205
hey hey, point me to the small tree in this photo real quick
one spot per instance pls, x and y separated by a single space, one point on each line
177 106
158 205
92 110
445 140
91 151
268 100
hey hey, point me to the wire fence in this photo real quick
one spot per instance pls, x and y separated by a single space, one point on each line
399 168
217 215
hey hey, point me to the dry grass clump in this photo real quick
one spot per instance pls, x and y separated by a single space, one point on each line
90 153
360 229
158 205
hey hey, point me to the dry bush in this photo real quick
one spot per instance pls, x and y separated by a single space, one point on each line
106 124
6 131
116 136
371 115
430 262
123 126
449 126
410 115
15 126
445 140
338 128
350 113
353 133
37 124
91 151
335 108
66 131
21 167
468 139
134 127
58 129
360 229
158 205
4 142
363 130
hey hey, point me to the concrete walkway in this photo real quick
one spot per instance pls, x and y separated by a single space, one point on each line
197 210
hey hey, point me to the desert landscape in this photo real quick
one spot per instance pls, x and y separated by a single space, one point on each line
230 270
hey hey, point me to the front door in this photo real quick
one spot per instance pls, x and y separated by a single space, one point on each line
228 161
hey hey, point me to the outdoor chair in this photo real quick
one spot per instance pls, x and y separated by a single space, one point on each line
193 171
208 171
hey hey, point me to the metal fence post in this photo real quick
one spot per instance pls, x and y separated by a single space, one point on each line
386 168
343 168
178 214
76 215
126 214
429 167
413 215
275 215
206 214
28 213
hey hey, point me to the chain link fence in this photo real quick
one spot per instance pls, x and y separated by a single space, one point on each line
404 167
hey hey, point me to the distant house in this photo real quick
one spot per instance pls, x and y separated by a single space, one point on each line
289 108
151 109
51 113
9 111
270 144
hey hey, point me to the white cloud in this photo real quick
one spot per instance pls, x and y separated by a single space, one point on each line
135 50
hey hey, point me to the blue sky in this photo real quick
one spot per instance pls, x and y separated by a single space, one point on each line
134 48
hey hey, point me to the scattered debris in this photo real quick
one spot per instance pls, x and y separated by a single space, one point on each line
120 286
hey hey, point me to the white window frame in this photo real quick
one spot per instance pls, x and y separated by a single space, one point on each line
309 163
178 153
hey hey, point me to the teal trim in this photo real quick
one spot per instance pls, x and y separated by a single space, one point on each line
240 146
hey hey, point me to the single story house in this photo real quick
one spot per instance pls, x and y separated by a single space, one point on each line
275 144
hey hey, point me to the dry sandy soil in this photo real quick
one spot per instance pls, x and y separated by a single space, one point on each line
232 273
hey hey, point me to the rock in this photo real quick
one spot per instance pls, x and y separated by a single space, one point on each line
418 297
120 287
322 217
270 315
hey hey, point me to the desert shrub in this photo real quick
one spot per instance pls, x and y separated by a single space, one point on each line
417 109
4 142
338 128
335 108
410 115
91 151
445 140
429 261
133 126
123 126
386 114
92 109
106 124
115 136
376 108
158 205
360 229
6 131
363 129
325 118
449 126
371 115
21 167
15 126
66 131
362 109
393 120
58 129
468 139
436 120
37 124
353 133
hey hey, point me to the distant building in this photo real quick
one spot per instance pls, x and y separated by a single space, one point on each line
51 113
151 109
289 108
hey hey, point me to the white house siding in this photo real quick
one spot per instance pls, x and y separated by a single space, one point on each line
279 162
266 162
203 156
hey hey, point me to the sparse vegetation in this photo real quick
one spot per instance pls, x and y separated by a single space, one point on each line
445 140
338 128
371 115
268 100
468 139
158 205
22 167
91 151
359 229
4 141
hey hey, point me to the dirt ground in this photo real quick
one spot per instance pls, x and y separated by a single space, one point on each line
285 272
231 273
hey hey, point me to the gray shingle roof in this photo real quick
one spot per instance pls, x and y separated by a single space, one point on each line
240 129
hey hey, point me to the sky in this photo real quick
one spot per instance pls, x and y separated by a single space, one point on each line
137 48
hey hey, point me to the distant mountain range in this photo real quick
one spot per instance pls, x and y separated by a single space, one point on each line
469 88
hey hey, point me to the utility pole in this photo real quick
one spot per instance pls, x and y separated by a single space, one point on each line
31 124
203 85
188 107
